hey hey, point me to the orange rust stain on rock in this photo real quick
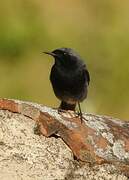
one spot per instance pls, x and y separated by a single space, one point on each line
101 142
48 125
83 129
43 131
8 105
126 144
76 143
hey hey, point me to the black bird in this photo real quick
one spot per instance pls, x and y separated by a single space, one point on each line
70 78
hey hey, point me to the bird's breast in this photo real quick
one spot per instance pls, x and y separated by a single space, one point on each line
68 84
66 78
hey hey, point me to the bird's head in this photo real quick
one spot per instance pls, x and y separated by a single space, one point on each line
65 57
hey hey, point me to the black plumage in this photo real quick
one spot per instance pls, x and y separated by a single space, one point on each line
69 77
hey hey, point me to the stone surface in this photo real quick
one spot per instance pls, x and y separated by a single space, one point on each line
26 155
98 139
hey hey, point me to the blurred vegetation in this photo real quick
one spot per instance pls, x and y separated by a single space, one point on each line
98 30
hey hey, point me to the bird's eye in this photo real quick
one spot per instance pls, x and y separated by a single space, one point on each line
64 53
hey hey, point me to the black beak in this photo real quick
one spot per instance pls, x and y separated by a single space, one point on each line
50 53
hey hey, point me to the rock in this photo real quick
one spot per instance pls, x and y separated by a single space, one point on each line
26 155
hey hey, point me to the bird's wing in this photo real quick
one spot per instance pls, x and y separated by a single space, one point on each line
86 75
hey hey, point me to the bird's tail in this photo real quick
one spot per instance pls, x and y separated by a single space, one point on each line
67 106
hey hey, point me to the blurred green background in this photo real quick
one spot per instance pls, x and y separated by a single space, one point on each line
98 30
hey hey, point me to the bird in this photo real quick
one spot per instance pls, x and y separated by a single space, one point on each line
69 78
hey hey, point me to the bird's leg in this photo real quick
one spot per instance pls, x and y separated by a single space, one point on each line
80 112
